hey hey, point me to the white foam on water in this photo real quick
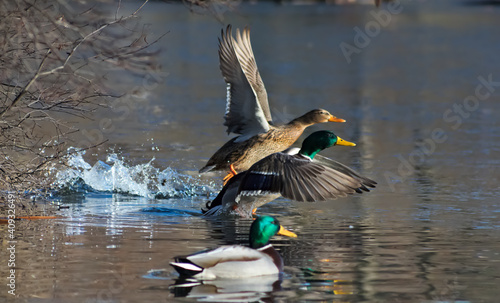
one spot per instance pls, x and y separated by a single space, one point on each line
115 175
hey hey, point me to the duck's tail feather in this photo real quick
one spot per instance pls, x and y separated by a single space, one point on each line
186 268
206 168
218 200
214 211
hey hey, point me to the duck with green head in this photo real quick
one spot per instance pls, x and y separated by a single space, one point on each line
296 174
235 261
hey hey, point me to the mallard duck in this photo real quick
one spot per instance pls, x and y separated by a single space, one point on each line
296 174
236 261
247 111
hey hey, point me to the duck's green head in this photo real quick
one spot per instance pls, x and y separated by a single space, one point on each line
320 140
264 228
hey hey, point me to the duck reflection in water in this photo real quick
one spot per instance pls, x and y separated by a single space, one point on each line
255 289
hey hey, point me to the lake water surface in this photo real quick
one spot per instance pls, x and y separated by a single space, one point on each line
417 102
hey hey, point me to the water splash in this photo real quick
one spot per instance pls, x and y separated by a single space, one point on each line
115 175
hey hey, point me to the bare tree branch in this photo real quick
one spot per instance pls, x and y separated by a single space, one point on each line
27 86
52 72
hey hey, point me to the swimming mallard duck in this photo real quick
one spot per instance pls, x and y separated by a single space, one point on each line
235 261
296 174
247 111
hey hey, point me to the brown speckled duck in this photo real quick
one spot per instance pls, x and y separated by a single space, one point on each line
247 111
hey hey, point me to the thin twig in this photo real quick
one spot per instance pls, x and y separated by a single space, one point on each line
27 86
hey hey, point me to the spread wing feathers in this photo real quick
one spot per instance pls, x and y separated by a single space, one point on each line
365 182
244 114
243 48
298 178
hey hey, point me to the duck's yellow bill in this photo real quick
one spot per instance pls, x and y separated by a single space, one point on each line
284 232
343 142
335 119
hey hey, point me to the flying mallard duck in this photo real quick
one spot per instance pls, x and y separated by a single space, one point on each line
247 111
295 174
235 261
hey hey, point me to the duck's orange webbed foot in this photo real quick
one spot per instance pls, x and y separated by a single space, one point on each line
231 174
254 211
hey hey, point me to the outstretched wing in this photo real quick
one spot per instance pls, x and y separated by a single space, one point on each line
243 48
297 178
244 113
365 182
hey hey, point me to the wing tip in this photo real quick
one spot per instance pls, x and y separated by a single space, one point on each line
206 168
